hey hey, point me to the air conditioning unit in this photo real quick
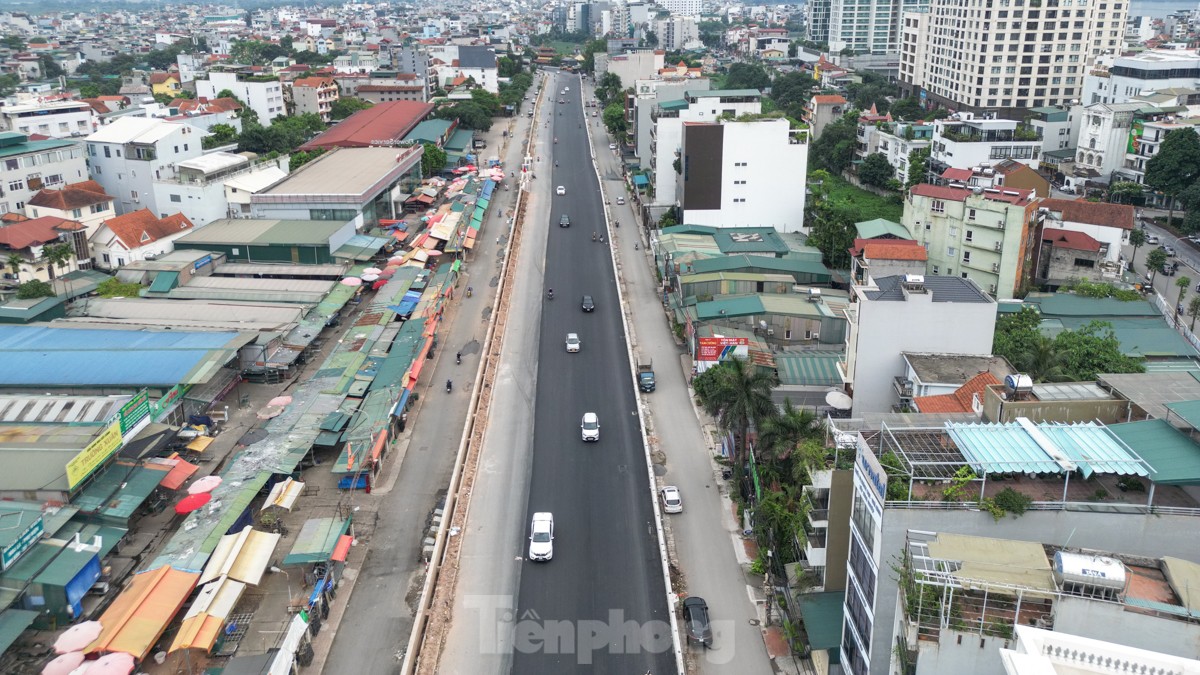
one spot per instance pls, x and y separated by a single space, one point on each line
991 288
816 336
996 267
999 245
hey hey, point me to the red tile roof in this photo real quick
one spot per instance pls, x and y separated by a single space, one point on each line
139 228
1076 241
314 82
894 249
957 174
34 232
390 120
159 78
960 401
206 105
73 196
1093 213
829 98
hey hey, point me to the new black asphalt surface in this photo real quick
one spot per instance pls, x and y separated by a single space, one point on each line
599 606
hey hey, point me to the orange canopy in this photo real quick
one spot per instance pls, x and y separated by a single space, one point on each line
142 612
178 474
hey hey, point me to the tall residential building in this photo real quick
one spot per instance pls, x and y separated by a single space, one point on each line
984 55
676 31
29 166
731 174
868 26
685 7
261 93
56 119
315 95
130 155
1142 73
816 15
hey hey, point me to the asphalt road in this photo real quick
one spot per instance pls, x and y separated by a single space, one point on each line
599 606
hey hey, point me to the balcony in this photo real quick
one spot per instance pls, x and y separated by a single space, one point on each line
903 387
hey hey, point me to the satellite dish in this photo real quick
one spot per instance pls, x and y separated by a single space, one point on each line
839 400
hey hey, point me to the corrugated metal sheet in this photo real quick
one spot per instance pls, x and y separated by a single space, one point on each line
142 612
316 540
1174 457
1095 449
1023 447
1003 448
206 617
809 368
242 556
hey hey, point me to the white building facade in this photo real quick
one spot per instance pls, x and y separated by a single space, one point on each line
56 119
128 156
264 96
29 166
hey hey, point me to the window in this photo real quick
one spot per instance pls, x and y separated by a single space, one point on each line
964 275
970 236
106 258
107 151
16 185
77 213
951 252
938 206
97 208
133 194
970 214
176 198
953 231
935 270
966 257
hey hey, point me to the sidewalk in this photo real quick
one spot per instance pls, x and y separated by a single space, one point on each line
709 556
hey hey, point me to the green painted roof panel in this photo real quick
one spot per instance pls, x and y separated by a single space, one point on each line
1174 457
813 369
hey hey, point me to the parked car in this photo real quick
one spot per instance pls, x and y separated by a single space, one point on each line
541 537
696 622
1168 249
672 502
612 146
573 342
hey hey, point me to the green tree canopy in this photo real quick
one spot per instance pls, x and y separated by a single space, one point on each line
876 170
738 394
469 113
918 166
219 134
433 160
1072 355
834 149
747 76
1176 167
35 289
345 107
111 288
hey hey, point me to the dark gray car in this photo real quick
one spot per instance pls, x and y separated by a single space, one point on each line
587 303
695 621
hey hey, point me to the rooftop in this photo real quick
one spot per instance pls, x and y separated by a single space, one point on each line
147 130
263 232
941 288
1153 391
384 123
1016 197
349 172
1093 213
214 161
965 399
72 196
881 227
956 369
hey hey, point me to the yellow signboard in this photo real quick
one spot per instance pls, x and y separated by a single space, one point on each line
94 454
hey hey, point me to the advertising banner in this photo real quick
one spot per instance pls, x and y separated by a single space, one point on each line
721 348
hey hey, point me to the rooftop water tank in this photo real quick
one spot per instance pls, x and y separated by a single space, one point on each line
1088 570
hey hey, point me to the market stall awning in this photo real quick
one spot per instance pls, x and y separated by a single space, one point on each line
342 550
316 540
13 622
243 556
284 494
180 471
200 443
142 612
206 617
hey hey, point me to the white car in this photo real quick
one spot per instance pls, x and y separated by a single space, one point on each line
561 190
590 427
620 201
572 342
672 502
612 146
541 536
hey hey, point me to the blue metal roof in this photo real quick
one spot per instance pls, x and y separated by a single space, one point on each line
50 356
1025 447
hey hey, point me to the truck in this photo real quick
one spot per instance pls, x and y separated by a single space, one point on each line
645 374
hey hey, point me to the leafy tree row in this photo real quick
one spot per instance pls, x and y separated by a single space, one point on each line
1070 356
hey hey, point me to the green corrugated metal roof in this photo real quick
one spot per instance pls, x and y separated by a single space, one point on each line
29 565
109 536
13 622
707 93
728 307
1069 304
1140 336
117 493
1174 457
64 567
316 540
679 104
429 131
1188 411
750 240
33 147
870 229
460 141
164 282
822 614
809 368
744 262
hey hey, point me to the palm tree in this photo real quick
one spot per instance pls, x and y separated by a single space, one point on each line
1183 284
1155 261
740 398
780 434
1137 238
1194 309
14 263
1042 362
57 255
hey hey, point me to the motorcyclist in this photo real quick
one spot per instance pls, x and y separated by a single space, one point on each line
593 236
449 385
458 357
550 293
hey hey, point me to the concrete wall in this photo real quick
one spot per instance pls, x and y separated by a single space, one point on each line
837 535
1143 535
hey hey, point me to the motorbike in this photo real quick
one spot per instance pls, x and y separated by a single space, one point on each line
635 246
550 294
593 236
616 223
601 239
556 163
470 291
458 358
449 386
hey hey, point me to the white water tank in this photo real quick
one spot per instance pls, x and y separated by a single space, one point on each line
1089 570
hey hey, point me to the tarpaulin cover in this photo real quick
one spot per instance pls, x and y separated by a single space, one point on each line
140 614
178 475
243 556
206 617
342 549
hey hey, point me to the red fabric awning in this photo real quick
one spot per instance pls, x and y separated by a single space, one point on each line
342 549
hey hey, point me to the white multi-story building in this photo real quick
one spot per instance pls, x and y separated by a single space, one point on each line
356 62
893 315
1103 138
894 140
28 166
57 119
198 190
965 140
676 31
128 156
868 26
732 177
1127 76
262 94
979 55
684 7
648 96
981 234
667 134
314 95
816 15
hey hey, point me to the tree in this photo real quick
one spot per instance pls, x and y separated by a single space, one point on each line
57 255
831 230
1017 334
1190 200
164 99
469 113
614 119
1176 167
1183 284
918 166
747 76
651 39
667 220
13 42
35 288
486 100
1193 310
50 67
89 91
218 135
876 170
1155 261
908 109
834 149
1137 239
608 88
112 288
301 157
345 107
738 394
287 43
1042 361
1091 350
782 433
433 160
14 262
1125 192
